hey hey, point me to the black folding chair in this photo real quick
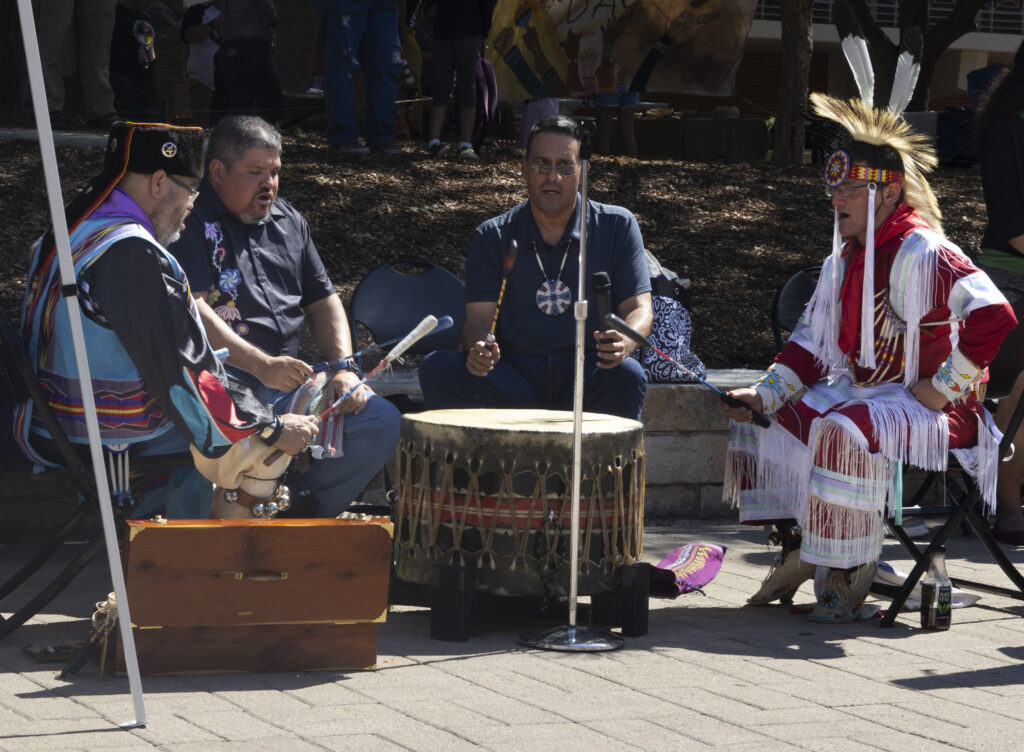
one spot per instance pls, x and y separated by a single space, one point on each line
965 493
790 301
19 382
397 295
391 300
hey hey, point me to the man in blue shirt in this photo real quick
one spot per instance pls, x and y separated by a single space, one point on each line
529 361
249 256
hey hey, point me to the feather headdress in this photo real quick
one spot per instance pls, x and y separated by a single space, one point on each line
880 127
877 127
855 49
908 67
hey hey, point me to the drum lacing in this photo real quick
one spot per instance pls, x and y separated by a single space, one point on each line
545 517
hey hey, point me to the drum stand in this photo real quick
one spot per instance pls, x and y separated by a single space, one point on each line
571 637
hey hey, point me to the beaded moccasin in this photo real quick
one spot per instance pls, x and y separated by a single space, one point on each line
787 574
843 595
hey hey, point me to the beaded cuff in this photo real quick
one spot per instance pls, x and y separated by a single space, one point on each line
957 376
777 385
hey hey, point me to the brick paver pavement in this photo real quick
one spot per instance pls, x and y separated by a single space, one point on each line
711 673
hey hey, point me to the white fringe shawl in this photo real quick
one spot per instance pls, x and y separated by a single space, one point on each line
981 461
911 291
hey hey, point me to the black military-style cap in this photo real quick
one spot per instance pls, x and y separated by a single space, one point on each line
148 147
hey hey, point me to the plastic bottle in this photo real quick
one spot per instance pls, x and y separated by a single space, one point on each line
937 594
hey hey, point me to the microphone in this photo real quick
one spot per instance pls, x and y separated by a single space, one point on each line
602 287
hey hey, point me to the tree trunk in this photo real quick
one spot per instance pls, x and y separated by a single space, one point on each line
937 39
795 69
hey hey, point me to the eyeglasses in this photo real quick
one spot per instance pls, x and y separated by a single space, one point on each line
844 191
543 167
193 193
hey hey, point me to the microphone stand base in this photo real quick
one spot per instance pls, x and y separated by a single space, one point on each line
573 639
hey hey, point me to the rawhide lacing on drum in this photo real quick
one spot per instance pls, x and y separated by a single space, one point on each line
617 522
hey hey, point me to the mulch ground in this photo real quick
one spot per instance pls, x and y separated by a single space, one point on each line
737 231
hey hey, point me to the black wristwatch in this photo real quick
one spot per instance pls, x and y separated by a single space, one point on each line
270 434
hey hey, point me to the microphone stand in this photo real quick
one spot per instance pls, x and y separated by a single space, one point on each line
571 637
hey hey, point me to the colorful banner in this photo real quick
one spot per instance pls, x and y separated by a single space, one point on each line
561 48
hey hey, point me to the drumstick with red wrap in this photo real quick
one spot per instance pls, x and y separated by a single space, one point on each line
445 322
425 327
622 327
510 260
422 329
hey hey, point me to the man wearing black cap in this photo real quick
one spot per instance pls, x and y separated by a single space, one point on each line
159 385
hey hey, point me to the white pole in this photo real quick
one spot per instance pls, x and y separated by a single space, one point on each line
580 312
70 293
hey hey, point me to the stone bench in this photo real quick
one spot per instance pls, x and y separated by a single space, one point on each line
685 436
685 440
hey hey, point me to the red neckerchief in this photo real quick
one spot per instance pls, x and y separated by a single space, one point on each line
901 222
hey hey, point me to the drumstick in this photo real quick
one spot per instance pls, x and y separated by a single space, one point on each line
445 322
422 329
510 260
622 327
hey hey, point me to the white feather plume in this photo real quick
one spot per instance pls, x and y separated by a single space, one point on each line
903 84
856 51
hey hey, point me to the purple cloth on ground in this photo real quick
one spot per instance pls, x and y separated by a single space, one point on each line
686 569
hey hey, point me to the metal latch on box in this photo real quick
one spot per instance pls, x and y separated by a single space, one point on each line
266 577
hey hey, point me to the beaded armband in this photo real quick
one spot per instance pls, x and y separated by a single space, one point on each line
957 376
777 385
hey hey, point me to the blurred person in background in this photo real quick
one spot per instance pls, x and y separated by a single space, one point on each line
999 133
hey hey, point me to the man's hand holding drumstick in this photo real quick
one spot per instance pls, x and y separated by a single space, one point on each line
483 352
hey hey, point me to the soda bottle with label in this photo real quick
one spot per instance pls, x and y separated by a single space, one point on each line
937 594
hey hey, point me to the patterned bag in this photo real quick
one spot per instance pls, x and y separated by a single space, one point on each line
671 331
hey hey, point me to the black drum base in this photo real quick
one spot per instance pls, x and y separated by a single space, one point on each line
457 609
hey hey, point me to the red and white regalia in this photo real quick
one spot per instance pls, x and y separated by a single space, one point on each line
843 424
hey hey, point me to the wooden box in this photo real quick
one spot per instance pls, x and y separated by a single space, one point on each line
210 596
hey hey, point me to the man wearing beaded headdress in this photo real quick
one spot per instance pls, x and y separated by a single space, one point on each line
883 368
159 385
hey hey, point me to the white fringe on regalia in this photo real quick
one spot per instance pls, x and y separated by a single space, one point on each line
840 499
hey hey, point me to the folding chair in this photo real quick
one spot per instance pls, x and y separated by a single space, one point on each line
391 300
397 295
966 495
790 301
19 382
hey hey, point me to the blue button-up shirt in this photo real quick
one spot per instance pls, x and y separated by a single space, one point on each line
614 245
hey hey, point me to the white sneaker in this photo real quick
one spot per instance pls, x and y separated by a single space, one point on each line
915 527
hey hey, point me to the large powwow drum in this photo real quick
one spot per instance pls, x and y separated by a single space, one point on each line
490 490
